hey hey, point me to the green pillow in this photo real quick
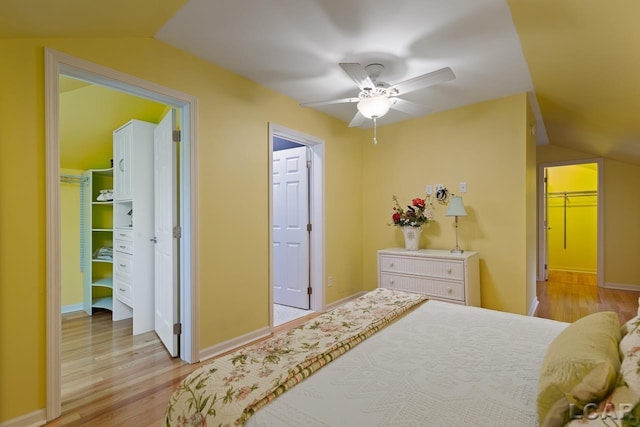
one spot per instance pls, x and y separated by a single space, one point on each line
580 367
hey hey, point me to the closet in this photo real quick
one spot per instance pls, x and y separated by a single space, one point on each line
97 241
133 213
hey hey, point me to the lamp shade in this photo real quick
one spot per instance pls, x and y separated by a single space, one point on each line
374 106
456 208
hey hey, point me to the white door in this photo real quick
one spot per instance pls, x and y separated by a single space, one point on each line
290 234
545 245
166 247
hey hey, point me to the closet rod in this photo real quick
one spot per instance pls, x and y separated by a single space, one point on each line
72 179
573 194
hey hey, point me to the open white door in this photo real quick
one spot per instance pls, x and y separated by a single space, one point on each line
290 234
545 248
166 247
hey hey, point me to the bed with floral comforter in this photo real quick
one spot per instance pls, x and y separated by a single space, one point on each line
229 390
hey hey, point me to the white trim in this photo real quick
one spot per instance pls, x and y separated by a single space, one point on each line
33 419
71 308
317 214
234 343
533 308
573 270
57 63
622 286
338 303
600 243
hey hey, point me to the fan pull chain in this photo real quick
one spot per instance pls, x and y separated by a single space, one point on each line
375 140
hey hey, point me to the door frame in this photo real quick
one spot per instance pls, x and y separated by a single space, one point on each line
316 213
56 64
600 198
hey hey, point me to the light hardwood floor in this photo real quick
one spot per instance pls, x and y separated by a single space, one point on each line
569 296
111 378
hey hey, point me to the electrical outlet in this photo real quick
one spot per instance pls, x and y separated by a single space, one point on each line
330 281
429 189
463 187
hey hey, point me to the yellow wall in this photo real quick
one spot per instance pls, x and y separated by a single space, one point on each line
233 184
484 145
621 213
71 276
580 253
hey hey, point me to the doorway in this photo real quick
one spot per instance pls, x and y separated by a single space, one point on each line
296 211
571 223
57 64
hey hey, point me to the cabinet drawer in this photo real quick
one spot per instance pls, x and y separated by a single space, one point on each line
123 234
423 285
440 268
125 246
123 291
123 263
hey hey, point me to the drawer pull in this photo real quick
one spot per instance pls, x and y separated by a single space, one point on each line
122 246
449 270
121 289
122 265
449 290
391 264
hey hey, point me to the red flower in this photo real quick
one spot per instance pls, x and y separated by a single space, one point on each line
417 202
396 217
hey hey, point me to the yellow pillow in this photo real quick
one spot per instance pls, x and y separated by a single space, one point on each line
580 367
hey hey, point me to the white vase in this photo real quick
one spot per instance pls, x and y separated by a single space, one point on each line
411 238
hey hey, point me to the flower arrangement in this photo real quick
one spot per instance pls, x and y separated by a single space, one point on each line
416 214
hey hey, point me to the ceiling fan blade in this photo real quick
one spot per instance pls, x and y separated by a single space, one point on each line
433 78
357 74
357 120
331 101
409 107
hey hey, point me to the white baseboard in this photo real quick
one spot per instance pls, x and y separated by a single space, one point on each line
533 308
233 343
338 303
622 286
574 270
71 308
34 419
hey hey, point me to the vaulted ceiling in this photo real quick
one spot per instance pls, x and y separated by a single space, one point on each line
580 59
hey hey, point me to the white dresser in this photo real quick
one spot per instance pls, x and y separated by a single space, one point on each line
440 274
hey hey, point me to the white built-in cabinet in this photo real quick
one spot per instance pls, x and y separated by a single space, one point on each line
98 241
133 225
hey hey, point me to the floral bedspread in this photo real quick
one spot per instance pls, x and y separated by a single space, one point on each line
227 391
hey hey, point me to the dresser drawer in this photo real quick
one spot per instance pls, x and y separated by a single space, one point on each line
123 264
123 234
123 291
423 285
125 246
440 268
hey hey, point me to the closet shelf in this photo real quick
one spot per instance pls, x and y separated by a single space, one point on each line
106 282
103 302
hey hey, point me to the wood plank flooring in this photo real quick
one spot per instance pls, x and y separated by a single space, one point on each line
111 378
568 296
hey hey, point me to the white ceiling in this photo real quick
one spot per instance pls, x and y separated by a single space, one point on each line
294 47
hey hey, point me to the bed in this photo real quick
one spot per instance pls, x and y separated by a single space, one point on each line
413 362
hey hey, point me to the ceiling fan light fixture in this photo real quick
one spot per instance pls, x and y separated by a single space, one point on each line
374 106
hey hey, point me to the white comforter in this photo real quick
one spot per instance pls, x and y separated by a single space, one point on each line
441 365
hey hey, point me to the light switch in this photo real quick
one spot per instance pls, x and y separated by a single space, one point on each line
429 189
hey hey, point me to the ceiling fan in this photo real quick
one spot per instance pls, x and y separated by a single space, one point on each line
377 97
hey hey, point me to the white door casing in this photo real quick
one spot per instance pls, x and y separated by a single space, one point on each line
57 63
290 234
166 244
